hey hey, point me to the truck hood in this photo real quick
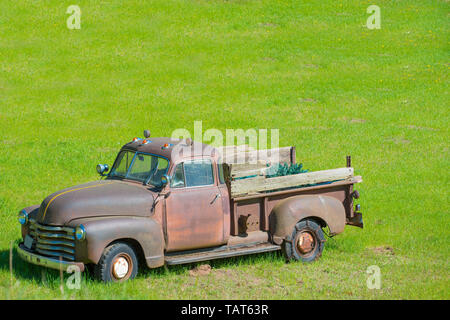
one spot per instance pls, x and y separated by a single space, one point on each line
95 199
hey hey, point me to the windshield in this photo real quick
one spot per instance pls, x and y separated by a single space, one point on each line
140 167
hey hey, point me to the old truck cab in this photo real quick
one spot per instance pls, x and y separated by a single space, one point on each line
168 201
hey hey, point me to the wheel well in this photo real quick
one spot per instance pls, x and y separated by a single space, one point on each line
135 245
317 220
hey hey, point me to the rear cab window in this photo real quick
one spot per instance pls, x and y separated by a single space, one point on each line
220 172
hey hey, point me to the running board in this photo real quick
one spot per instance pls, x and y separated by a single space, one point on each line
222 252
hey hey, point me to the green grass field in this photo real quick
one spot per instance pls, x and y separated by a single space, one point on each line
70 98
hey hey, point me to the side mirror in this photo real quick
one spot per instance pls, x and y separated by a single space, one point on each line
165 179
102 168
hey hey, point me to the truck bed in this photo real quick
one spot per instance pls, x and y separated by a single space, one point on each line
254 192
251 212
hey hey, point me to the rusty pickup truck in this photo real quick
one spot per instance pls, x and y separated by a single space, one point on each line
158 206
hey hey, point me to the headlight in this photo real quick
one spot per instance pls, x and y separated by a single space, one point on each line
80 232
23 217
102 168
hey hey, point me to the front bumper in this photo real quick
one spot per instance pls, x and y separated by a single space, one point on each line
39 260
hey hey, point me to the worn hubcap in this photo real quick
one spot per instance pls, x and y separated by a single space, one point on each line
121 267
305 242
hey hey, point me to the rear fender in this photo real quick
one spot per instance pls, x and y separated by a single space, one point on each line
328 211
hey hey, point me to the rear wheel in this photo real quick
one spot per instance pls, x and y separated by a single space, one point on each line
118 263
305 243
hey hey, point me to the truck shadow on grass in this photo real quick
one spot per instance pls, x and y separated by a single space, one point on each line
43 276
274 257
22 270
244 261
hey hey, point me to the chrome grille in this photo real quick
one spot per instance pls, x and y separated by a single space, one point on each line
53 241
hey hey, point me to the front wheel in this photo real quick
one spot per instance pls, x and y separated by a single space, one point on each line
305 243
117 263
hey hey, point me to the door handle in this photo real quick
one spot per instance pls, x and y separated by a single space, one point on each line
215 198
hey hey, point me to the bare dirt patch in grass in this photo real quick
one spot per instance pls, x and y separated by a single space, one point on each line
357 121
420 128
201 270
223 273
383 250
268 24
241 278
307 100
353 120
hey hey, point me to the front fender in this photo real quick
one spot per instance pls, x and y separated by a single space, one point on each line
285 215
101 231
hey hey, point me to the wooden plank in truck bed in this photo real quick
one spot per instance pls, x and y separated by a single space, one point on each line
261 184
244 155
306 189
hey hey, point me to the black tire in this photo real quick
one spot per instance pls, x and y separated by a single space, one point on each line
305 243
115 260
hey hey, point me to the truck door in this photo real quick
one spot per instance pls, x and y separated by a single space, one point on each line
194 214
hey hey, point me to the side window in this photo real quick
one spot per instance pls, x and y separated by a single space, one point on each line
178 177
198 173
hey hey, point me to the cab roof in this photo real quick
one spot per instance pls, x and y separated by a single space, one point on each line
171 148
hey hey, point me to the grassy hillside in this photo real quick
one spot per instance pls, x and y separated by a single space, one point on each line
70 98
